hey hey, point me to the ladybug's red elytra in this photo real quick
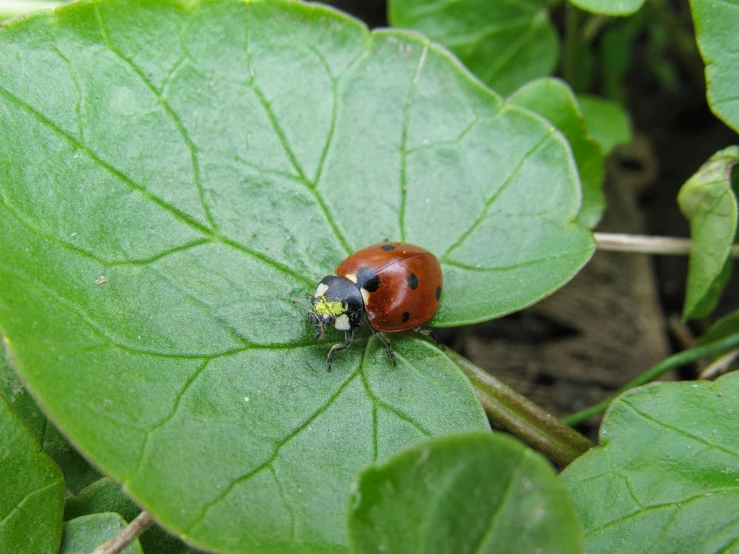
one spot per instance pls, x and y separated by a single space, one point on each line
397 285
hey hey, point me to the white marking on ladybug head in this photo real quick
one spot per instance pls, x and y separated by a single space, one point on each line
365 295
352 277
342 323
321 290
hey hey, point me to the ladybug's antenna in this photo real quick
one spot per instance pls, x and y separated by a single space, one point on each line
304 306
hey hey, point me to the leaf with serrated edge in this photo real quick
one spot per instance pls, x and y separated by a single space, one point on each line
708 203
85 533
553 100
716 26
666 473
177 160
31 489
506 44
472 493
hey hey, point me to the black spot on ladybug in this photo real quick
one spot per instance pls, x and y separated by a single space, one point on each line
413 281
368 279
388 247
438 293
405 317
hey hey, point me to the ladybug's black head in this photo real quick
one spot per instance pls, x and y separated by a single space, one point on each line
337 302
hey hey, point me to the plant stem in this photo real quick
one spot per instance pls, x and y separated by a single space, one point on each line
676 360
669 246
521 417
572 38
593 26
13 8
132 531
719 366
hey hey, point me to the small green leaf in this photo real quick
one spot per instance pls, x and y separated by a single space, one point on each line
505 44
716 25
31 489
189 169
709 204
609 7
78 473
86 533
666 473
606 121
724 327
106 496
553 100
473 493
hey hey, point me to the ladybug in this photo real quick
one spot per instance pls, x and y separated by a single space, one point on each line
397 285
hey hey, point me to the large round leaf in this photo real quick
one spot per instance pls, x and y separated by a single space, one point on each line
183 172
463 494
31 489
665 478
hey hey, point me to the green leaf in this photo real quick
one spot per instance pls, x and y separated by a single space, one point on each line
724 327
709 204
12 389
505 44
553 100
86 533
31 489
609 7
78 473
176 158
665 474
106 496
464 493
715 30
606 121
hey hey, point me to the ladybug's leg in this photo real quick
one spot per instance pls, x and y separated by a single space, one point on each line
430 333
349 335
389 346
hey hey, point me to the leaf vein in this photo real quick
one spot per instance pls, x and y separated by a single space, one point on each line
278 446
493 198
168 109
683 432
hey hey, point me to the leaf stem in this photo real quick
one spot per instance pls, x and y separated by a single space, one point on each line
13 8
133 530
668 246
656 371
569 60
521 417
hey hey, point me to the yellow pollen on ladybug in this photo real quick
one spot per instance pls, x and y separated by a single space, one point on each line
330 307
